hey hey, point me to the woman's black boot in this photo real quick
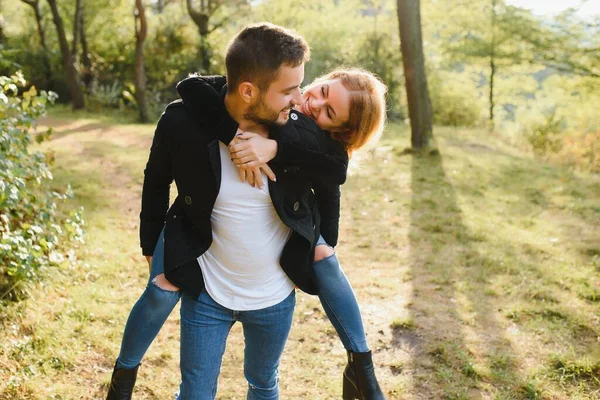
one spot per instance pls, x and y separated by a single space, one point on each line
360 382
122 383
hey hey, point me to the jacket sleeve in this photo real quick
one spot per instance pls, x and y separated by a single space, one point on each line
328 199
158 176
329 163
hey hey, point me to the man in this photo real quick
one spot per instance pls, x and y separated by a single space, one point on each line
226 242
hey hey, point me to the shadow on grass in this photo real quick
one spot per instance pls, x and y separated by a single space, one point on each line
463 343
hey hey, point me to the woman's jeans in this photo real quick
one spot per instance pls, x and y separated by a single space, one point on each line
205 326
339 302
147 315
155 304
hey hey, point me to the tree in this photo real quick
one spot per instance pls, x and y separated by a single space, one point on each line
77 21
411 43
70 70
86 73
568 44
141 31
492 63
35 4
2 37
202 17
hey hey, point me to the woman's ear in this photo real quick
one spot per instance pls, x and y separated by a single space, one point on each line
248 92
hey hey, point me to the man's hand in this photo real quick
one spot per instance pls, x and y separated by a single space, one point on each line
250 150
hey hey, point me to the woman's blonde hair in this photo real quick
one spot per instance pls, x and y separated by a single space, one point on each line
367 107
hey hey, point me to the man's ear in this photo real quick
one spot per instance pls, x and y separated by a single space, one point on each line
248 92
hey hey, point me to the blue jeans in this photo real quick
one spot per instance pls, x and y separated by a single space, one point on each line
147 315
155 305
339 302
205 326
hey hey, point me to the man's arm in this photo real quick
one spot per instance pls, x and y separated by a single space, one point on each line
158 176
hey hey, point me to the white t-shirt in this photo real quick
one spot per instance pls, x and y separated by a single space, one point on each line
241 268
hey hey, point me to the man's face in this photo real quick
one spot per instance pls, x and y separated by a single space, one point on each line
273 105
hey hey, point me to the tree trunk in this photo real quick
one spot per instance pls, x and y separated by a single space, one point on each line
160 6
141 31
86 73
492 64
2 37
419 103
35 4
76 30
201 19
70 70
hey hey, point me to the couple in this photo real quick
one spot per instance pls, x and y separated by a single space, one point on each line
233 251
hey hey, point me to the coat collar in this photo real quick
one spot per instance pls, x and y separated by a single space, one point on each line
204 97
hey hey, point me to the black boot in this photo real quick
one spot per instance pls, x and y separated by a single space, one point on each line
360 382
122 383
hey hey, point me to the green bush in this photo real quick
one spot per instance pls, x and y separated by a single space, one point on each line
32 235
454 99
545 134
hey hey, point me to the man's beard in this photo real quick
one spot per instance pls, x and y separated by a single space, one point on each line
261 114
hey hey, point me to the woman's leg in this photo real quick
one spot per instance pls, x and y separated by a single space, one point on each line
149 313
342 309
338 299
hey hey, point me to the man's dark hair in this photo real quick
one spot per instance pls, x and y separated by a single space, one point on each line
259 50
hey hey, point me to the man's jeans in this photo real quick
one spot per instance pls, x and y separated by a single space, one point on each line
147 315
155 304
205 326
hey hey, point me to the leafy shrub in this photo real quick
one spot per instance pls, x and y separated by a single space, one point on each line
454 100
109 96
544 136
32 236
582 152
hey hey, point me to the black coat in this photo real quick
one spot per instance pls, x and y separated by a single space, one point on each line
185 149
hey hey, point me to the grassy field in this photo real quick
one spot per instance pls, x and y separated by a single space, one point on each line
477 268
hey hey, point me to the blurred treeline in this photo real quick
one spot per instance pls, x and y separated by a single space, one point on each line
534 80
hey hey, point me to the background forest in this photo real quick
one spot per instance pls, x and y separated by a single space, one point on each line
471 240
534 79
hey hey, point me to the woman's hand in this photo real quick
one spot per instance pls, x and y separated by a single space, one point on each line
254 176
247 150
250 150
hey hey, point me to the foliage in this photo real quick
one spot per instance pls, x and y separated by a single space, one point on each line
542 63
33 236
544 134
455 101
582 151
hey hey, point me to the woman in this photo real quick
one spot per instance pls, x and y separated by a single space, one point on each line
350 106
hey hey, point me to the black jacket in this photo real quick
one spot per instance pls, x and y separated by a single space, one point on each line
185 149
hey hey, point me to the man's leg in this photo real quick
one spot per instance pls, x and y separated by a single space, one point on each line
205 326
266 332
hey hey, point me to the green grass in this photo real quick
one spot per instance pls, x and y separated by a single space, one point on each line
477 268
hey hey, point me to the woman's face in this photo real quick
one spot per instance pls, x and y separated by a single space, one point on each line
328 103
